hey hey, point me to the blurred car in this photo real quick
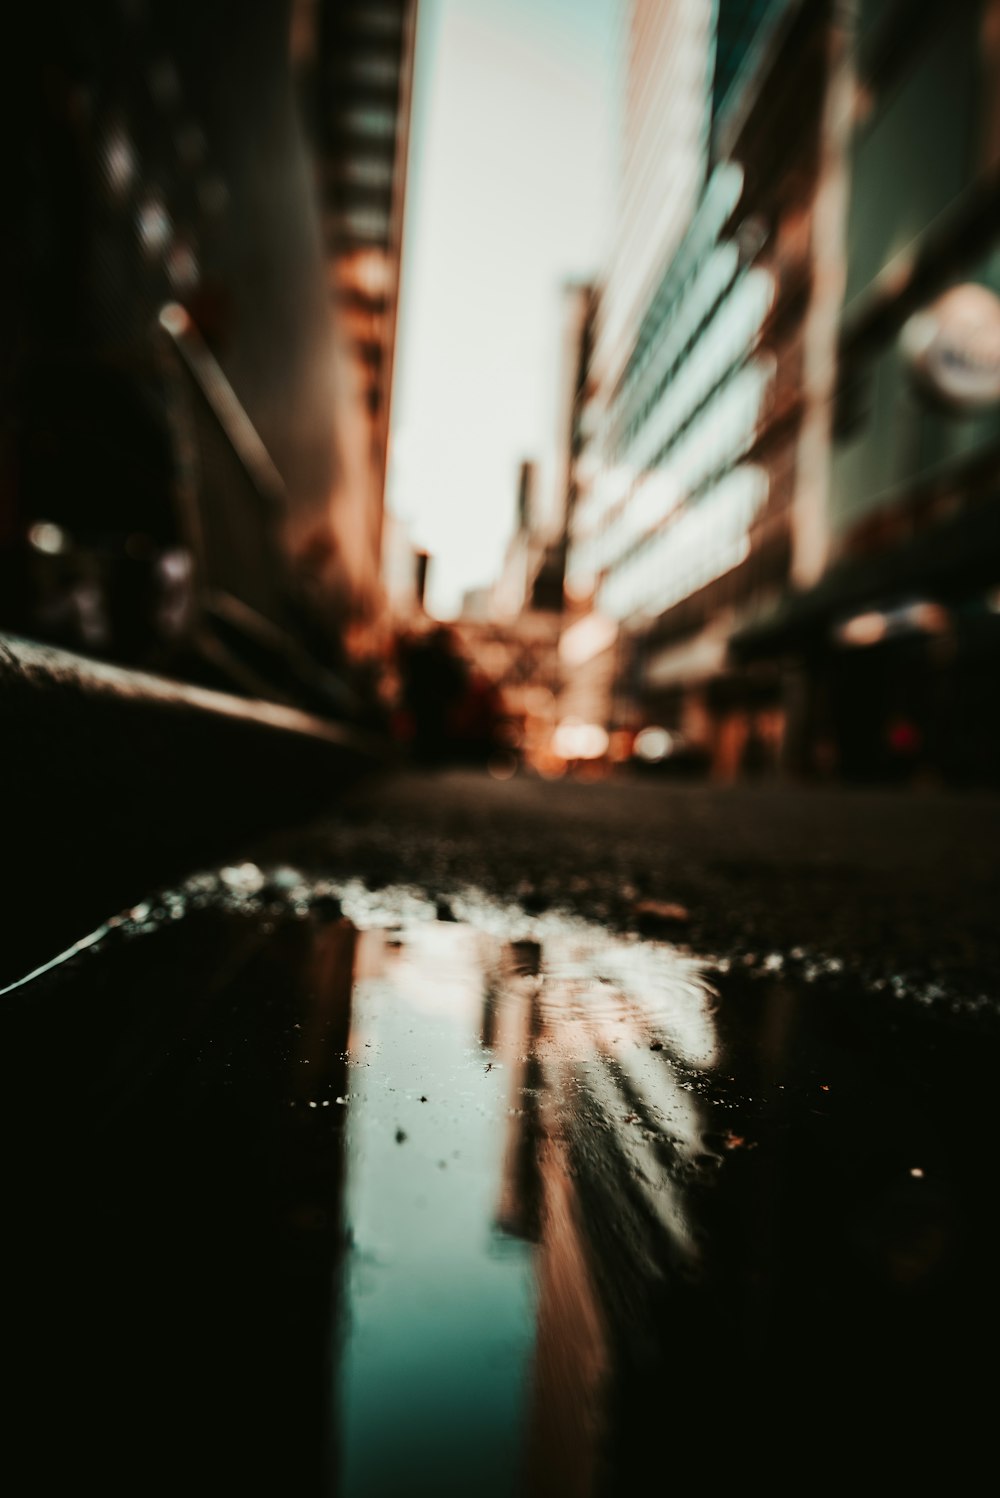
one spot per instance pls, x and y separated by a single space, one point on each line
666 751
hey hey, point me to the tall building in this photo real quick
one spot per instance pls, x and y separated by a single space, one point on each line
404 573
361 63
889 639
186 474
524 554
715 335
667 71
574 418
517 637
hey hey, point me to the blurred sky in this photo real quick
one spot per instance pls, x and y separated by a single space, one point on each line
508 195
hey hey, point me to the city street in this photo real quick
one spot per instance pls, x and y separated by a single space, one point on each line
519 1136
499 643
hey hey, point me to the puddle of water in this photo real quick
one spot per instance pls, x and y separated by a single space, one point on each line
478 1066
440 1201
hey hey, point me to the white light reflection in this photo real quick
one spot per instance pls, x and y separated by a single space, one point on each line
49 539
154 226
659 991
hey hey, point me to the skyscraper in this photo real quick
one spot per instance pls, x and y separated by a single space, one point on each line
186 407
362 72
706 315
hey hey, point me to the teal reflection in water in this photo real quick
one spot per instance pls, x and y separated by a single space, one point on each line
525 1164
439 1313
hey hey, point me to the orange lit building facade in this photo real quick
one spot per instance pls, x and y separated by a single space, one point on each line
792 528
709 348
362 69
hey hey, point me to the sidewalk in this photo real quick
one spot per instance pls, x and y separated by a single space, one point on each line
116 780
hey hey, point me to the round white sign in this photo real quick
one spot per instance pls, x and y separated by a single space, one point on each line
953 346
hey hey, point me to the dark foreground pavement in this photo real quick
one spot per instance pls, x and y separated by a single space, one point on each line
518 1138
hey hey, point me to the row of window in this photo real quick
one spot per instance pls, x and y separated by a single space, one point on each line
725 344
684 271
721 434
369 121
681 333
385 20
704 542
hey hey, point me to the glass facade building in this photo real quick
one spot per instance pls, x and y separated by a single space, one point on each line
689 511
893 647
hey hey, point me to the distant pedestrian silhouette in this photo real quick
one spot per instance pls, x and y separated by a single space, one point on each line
434 677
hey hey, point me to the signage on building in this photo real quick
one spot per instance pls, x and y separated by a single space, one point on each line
953 347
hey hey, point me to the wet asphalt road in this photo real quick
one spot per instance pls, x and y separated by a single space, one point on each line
897 885
512 1138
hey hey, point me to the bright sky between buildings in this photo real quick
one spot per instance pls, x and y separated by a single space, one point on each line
509 195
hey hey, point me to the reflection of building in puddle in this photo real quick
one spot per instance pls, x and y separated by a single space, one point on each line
524 1159
604 1143
438 1331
